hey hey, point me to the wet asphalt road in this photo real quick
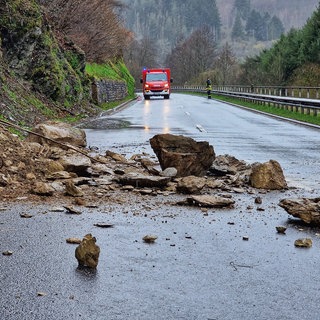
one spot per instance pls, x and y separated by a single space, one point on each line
200 267
246 135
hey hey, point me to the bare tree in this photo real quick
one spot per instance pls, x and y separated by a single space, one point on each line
140 54
226 65
95 26
193 56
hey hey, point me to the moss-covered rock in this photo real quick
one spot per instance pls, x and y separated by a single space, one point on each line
32 51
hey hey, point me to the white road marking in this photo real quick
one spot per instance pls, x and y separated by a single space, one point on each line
200 128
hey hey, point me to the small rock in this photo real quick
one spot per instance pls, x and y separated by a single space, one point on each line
245 238
169 172
258 200
303 243
73 240
116 156
72 190
104 225
281 229
149 238
72 210
207 201
25 215
87 253
57 209
7 253
42 189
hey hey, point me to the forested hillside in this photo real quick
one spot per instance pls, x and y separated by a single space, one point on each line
292 13
247 25
212 38
293 60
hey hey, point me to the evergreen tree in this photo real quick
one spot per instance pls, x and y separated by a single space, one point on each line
310 48
275 28
237 29
257 26
203 12
243 8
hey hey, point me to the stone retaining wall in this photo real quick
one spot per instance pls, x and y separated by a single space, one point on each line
108 90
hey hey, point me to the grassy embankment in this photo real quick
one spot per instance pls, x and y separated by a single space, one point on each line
271 109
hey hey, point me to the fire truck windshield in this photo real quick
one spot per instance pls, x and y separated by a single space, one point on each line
156 77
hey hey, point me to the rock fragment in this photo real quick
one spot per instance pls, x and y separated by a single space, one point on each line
73 240
42 189
72 190
150 238
281 229
139 180
303 243
191 185
208 201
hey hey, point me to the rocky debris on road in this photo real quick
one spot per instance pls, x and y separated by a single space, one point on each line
306 209
188 156
41 171
87 253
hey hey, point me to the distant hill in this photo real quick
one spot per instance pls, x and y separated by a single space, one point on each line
292 13
166 21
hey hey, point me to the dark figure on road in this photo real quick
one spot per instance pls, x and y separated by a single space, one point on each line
208 88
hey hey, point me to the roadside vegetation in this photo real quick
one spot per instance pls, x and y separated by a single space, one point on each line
281 112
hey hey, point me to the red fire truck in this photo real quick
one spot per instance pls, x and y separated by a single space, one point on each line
156 82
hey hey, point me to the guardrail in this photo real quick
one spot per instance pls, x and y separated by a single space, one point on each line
296 99
292 91
272 96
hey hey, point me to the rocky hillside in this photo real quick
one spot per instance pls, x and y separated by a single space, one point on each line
42 73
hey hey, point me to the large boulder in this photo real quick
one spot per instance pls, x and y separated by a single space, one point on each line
268 175
58 131
188 156
308 210
77 163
